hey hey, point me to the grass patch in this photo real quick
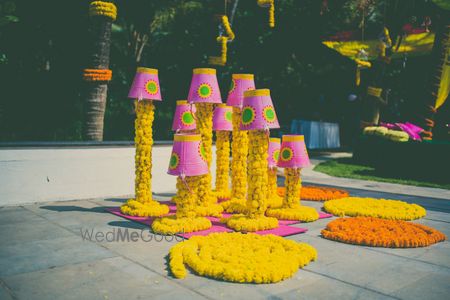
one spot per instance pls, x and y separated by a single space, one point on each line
346 167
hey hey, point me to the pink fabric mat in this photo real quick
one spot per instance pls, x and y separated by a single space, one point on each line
281 230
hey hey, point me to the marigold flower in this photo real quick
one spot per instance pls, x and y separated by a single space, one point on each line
375 232
317 193
370 207
237 257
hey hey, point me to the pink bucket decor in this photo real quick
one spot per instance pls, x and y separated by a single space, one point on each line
258 112
293 153
222 118
274 152
204 87
239 84
188 157
145 85
183 118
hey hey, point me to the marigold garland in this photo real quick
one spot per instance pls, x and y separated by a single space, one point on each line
370 207
239 151
291 209
207 201
223 40
376 232
256 204
237 257
271 5
393 135
222 164
143 205
101 8
317 193
97 75
273 199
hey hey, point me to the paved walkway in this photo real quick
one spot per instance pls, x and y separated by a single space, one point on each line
43 256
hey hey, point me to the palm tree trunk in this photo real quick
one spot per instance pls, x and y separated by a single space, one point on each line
427 110
96 91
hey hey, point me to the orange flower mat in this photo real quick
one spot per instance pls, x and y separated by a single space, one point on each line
369 231
317 193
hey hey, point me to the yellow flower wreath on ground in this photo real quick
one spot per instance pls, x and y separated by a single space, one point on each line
370 207
317 193
376 232
240 257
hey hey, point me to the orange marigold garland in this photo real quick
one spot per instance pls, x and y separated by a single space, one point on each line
97 75
368 231
317 193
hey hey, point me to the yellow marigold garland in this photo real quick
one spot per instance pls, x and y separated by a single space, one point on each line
222 164
239 151
237 257
223 40
271 5
255 218
143 205
207 201
97 75
376 232
291 209
370 207
273 199
317 193
102 8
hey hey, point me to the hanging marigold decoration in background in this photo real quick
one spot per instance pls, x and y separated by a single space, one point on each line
237 257
271 5
223 40
102 8
368 231
370 207
317 193
97 75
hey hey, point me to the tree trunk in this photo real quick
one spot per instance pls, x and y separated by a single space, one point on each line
439 52
96 92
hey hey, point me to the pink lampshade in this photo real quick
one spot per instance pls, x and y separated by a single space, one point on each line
222 118
204 87
274 152
183 118
258 112
293 153
239 84
145 85
188 156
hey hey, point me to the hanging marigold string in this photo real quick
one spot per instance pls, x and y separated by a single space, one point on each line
102 8
370 207
244 258
317 193
97 75
271 5
223 40
368 231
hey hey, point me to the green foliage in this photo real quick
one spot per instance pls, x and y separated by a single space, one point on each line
43 51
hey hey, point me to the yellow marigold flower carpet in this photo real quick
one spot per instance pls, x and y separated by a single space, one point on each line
237 257
370 207
376 232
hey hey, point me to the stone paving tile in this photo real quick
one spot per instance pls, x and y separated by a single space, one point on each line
114 278
430 287
366 268
16 214
33 255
